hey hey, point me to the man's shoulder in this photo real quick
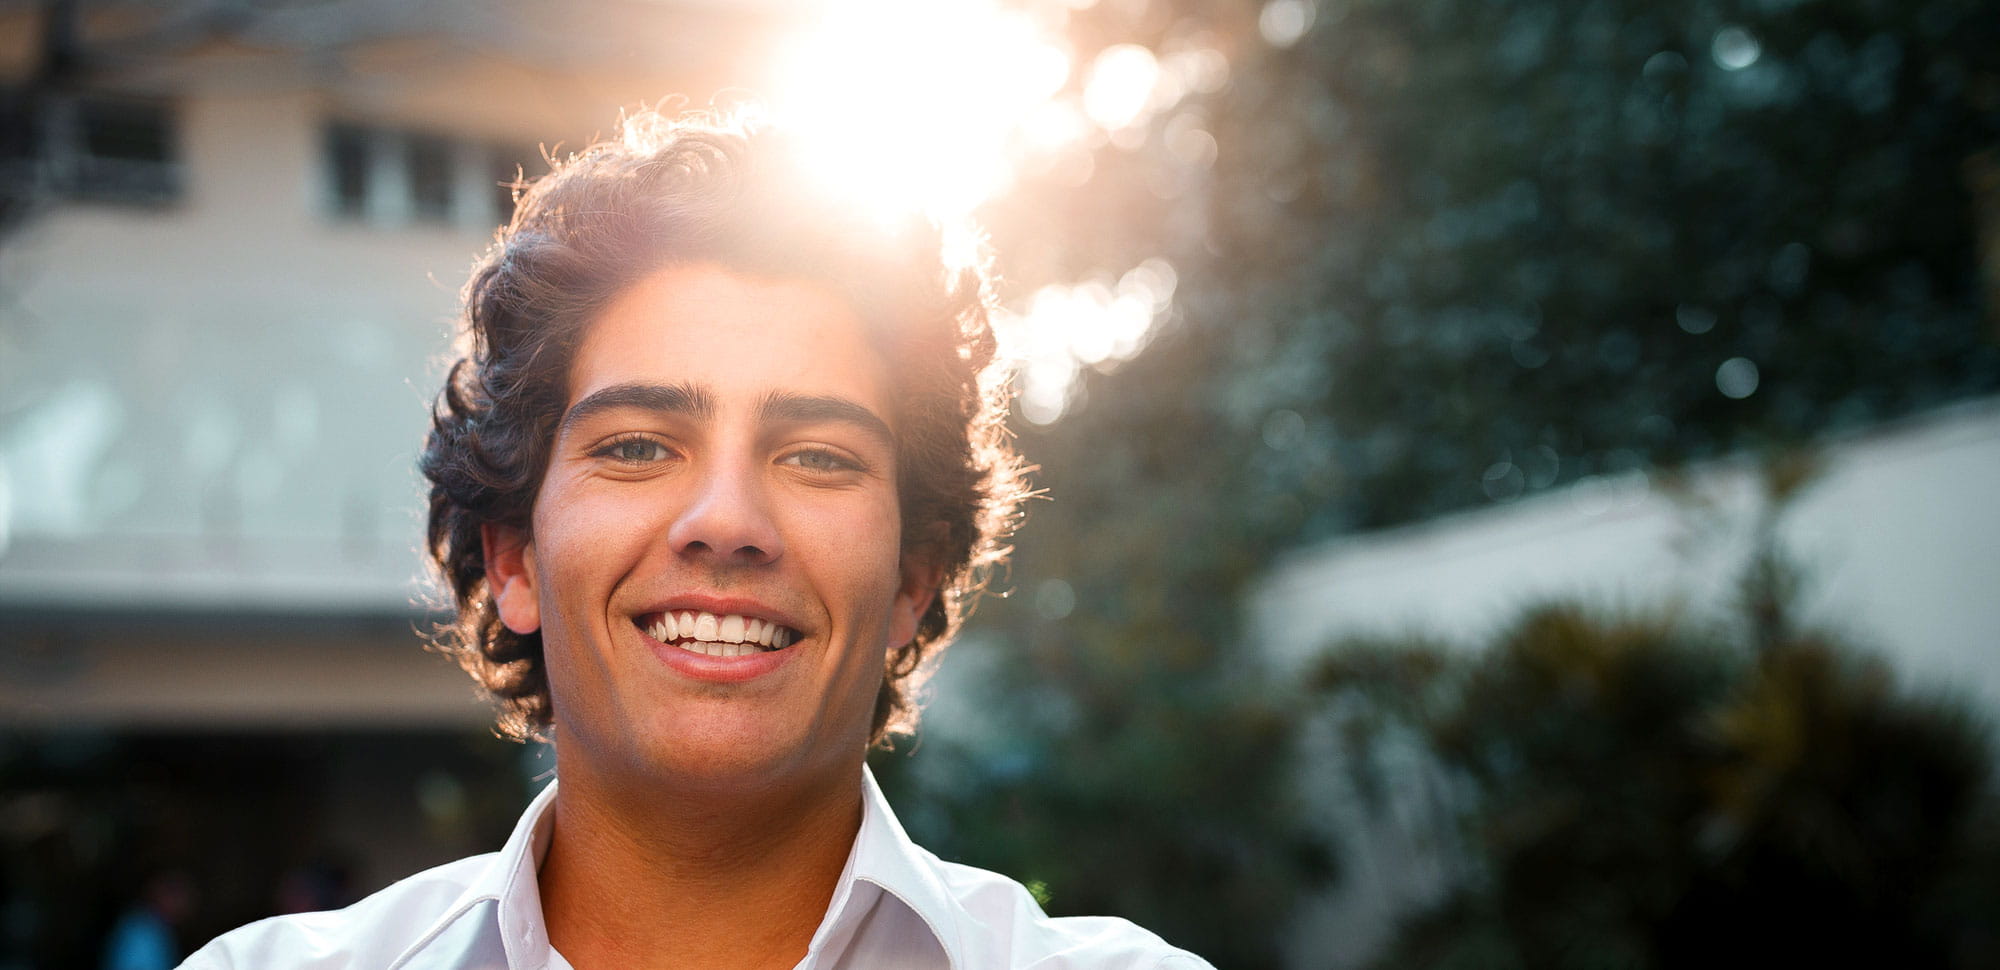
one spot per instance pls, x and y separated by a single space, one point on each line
1005 925
371 933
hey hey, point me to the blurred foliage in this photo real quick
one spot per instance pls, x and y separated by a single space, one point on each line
1485 247
1641 795
1451 252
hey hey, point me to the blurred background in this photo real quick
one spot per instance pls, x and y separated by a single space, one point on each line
1520 472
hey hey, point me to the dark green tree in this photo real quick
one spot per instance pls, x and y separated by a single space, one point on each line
1485 247
1644 794
1446 252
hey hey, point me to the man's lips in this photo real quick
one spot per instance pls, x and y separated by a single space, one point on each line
717 634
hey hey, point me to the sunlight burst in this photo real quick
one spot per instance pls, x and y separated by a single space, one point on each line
917 104
1097 323
942 106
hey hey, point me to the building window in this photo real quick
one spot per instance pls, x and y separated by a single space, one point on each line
20 149
123 151
429 160
348 165
101 148
393 177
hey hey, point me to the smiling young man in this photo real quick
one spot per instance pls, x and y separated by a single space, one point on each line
719 469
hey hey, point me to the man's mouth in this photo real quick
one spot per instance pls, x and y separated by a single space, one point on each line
717 634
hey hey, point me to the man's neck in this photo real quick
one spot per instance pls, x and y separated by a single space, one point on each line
640 879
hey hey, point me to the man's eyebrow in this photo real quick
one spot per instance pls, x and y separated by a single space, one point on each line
786 407
665 398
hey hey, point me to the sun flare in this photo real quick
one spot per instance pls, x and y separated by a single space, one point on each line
917 104
942 106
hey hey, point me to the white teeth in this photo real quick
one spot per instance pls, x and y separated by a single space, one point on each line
710 632
712 648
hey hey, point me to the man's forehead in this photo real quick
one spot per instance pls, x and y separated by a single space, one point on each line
688 337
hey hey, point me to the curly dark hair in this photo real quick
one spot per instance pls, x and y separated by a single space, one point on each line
696 188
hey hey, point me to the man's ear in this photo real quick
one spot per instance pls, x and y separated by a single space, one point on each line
920 581
510 576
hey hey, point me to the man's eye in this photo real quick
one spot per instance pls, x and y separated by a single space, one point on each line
821 460
633 451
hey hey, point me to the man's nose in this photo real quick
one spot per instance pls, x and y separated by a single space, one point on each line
727 520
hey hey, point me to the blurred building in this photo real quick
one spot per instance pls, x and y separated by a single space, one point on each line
234 235
1895 537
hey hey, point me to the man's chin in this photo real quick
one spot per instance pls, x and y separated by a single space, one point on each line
717 753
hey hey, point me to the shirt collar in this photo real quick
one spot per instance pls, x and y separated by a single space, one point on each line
883 857
522 933
508 882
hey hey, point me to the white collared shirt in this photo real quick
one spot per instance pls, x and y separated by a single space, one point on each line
896 906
